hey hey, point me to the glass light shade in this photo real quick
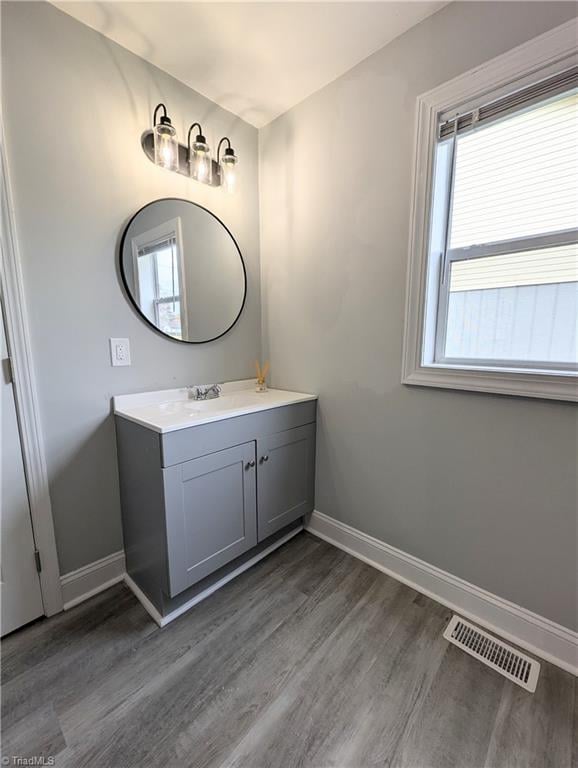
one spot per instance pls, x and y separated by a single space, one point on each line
229 172
200 164
166 146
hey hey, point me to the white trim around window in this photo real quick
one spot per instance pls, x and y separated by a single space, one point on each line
540 57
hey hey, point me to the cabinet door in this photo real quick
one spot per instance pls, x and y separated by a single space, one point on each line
285 478
211 513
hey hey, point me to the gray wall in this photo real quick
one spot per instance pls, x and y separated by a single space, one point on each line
482 486
75 105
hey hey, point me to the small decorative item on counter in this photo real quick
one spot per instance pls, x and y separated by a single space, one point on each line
261 376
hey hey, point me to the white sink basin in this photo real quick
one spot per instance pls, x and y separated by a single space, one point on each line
226 402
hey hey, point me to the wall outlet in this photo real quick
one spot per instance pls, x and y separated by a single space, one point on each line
119 352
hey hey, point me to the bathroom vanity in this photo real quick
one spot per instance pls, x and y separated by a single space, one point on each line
209 487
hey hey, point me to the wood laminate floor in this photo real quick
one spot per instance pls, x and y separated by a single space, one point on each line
311 658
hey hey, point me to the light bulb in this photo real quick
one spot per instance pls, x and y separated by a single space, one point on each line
202 166
166 145
200 163
229 170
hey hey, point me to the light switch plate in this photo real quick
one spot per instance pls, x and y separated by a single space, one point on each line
119 352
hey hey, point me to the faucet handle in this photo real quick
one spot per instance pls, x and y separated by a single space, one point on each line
204 391
193 391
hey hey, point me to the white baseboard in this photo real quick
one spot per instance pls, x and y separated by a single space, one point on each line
162 621
91 579
78 586
534 633
144 601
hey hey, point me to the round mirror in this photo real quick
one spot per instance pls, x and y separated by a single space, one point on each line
183 270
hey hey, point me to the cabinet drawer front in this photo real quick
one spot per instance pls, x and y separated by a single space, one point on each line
210 513
285 478
186 444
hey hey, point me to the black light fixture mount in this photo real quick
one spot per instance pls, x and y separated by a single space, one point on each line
165 119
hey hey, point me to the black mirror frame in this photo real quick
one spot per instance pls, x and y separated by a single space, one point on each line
130 296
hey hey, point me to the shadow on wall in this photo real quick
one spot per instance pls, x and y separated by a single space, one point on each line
278 211
145 48
86 482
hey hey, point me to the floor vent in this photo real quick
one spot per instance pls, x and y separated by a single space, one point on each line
493 652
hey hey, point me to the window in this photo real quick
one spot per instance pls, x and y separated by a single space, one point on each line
508 271
499 245
159 277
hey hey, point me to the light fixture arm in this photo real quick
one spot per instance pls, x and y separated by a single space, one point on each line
159 106
200 133
225 138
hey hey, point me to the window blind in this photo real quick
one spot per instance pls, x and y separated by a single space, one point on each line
517 178
517 100
146 250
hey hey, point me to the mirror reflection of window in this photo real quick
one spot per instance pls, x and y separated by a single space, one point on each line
159 278
159 286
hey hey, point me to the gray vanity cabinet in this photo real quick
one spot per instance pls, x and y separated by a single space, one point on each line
198 503
285 478
210 508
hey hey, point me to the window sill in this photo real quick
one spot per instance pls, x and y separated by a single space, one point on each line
550 386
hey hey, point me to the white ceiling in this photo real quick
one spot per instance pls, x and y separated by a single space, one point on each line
255 59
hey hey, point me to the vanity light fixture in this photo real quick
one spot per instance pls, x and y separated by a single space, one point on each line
227 165
193 160
199 156
166 146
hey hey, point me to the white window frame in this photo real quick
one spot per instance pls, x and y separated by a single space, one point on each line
543 56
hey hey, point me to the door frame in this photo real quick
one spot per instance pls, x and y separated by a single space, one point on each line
25 395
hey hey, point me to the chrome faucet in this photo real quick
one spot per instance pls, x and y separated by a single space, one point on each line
204 391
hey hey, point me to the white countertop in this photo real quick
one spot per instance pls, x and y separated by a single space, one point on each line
170 409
